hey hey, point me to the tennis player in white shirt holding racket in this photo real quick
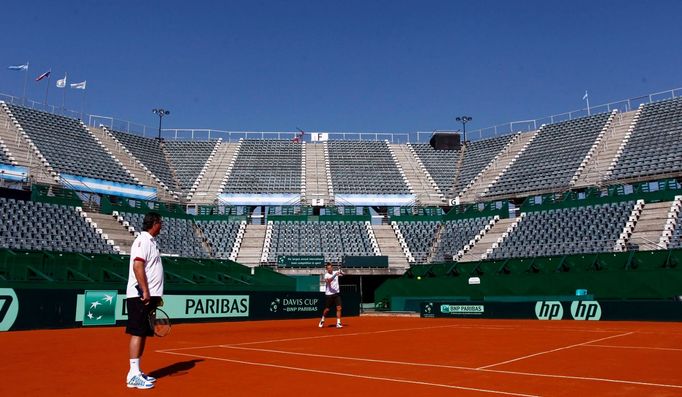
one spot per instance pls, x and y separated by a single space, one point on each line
332 293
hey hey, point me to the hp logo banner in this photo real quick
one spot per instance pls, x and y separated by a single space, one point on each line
549 310
586 310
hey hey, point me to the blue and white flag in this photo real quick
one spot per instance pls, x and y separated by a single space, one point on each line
79 86
18 67
61 83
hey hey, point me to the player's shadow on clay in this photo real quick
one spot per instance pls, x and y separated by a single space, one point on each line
179 368
334 326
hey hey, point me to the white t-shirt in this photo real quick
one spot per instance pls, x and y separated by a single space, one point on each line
144 248
333 287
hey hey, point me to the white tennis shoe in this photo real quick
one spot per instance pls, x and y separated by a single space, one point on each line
138 382
148 378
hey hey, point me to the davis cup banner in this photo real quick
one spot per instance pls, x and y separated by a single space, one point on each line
106 307
26 309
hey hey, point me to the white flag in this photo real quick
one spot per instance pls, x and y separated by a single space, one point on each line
18 67
585 96
61 83
79 86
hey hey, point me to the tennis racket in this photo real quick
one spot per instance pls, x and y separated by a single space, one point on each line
159 322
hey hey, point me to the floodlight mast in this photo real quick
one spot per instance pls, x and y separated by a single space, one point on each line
160 112
464 120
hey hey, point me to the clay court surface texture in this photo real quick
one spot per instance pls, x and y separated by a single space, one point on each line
370 356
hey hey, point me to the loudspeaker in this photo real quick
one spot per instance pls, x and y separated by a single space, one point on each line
445 141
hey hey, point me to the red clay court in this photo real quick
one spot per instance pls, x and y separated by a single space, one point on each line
393 356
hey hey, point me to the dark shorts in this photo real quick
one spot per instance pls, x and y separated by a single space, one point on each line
332 301
138 316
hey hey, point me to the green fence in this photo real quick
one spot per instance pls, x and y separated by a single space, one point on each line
628 275
73 270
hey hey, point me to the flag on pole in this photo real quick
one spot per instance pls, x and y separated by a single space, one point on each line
585 96
44 75
61 83
79 86
18 67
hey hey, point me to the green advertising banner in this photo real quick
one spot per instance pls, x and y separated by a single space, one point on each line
300 261
9 308
91 306
580 310
98 307
26 309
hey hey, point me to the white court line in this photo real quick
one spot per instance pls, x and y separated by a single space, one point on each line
554 350
637 347
459 368
334 335
337 335
370 360
412 382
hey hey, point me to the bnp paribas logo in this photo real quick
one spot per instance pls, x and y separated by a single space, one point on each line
99 307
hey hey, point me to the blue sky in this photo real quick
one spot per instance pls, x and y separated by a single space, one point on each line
322 65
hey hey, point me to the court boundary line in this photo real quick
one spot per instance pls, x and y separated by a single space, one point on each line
335 335
350 375
378 332
445 366
553 350
637 347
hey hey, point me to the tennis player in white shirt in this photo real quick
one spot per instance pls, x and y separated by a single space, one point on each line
332 293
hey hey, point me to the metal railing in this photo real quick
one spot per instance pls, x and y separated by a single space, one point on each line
624 105
31 104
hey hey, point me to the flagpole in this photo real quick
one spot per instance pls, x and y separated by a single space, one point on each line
83 106
23 99
587 99
47 89
64 95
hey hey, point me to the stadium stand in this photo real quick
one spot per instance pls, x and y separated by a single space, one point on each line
440 164
364 167
606 148
455 235
149 152
477 155
589 229
177 236
210 182
453 170
38 226
672 234
188 159
67 146
425 190
437 241
220 236
419 236
4 156
552 158
266 166
652 147
332 239
676 241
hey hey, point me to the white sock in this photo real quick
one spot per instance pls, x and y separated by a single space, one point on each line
134 367
322 319
338 321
